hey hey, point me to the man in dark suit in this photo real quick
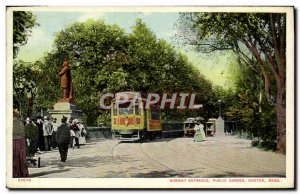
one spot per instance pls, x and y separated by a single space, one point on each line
31 137
63 138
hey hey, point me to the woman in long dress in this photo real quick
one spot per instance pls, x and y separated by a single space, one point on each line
82 133
20 167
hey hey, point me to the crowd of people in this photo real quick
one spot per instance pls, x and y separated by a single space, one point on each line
35 136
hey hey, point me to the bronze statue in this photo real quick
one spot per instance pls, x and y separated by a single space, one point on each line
66 83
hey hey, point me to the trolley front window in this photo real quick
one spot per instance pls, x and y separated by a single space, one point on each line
125 109
137 111
189 125
155 114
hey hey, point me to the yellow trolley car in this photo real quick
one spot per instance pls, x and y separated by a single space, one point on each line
130 123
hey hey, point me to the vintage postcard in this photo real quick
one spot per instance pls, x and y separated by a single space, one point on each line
150 97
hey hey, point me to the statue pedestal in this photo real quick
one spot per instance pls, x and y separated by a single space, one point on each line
65 109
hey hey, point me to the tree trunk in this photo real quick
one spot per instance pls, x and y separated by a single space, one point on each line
20 109
30 107
281 119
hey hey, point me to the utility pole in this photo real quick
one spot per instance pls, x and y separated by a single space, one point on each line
220 113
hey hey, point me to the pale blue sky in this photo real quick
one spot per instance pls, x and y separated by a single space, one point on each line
213 66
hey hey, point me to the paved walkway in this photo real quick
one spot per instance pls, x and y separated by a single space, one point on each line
223 156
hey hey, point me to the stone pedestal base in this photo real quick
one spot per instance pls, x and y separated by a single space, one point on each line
65 109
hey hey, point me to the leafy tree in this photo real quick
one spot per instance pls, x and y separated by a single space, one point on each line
26 77
170 70
259 40
23 22
255 114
